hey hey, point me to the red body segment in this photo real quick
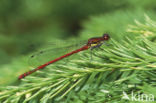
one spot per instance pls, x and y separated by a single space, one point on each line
55 60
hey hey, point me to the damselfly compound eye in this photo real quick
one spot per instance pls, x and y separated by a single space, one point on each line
106 37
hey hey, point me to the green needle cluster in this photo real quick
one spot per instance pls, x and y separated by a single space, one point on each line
128 65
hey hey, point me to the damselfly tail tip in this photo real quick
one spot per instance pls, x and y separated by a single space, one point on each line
20 77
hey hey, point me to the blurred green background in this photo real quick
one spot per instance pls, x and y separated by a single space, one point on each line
25 25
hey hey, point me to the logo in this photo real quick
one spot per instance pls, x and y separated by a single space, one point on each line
138 96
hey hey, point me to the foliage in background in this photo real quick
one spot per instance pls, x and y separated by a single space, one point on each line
115 23
127 66
26 25
30 22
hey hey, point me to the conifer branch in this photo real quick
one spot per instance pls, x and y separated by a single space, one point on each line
118 67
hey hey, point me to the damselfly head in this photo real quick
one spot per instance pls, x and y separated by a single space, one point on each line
98 40
106 36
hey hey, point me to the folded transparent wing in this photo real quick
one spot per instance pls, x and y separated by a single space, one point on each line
50 53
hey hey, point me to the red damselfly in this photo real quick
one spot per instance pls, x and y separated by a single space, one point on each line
92 43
